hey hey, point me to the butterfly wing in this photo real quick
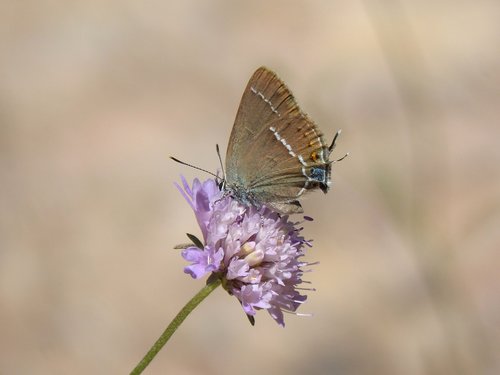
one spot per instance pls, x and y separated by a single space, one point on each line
275 152
265 99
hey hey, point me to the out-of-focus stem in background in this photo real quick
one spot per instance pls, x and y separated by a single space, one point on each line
464 345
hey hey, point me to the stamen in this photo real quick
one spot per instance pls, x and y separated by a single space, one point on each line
307 289
306 315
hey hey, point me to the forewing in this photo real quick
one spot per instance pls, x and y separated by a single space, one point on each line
265 99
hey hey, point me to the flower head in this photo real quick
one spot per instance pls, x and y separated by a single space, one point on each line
254 250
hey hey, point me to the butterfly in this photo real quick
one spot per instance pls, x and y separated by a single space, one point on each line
275 153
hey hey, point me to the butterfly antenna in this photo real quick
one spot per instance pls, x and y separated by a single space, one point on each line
220 161
193 166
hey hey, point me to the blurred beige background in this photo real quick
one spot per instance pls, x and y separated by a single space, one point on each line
94 97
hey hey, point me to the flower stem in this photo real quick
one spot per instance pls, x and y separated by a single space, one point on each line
174 324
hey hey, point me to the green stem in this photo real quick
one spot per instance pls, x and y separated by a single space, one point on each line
174 324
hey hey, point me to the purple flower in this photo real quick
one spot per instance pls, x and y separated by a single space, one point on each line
255 251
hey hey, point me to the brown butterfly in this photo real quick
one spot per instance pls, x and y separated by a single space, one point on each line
275 153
